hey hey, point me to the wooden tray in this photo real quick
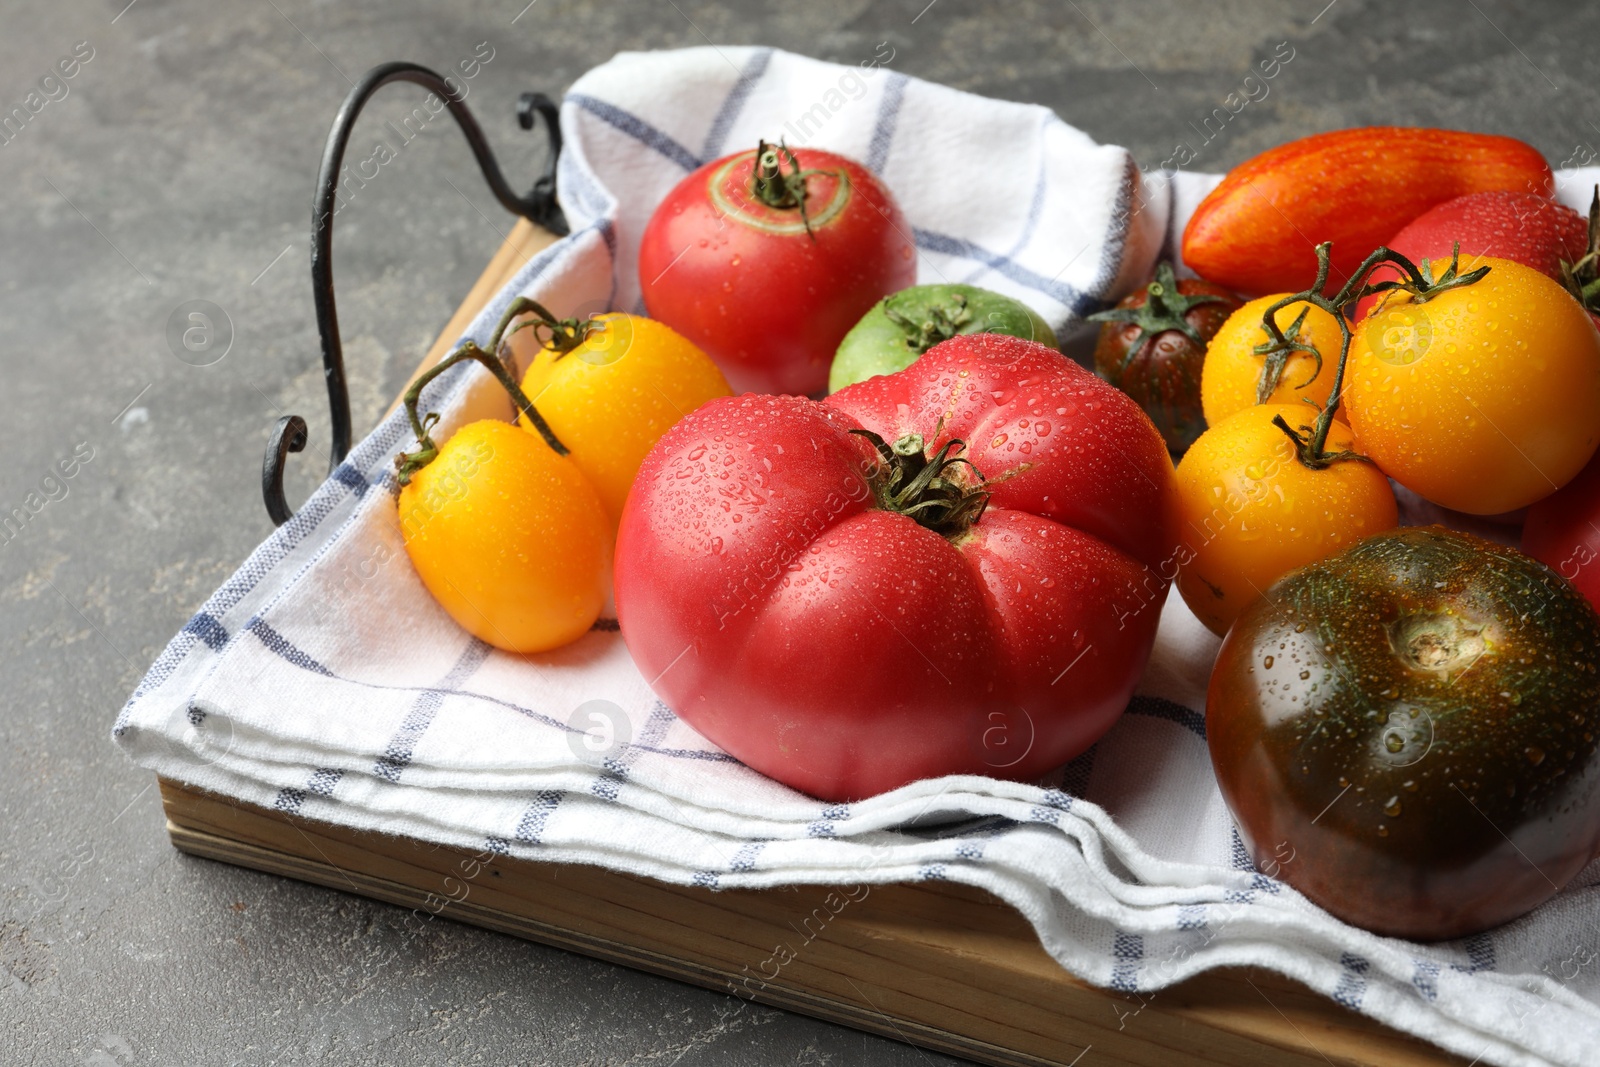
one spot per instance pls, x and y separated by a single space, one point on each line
935 964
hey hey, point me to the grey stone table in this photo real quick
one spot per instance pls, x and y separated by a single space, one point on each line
175 164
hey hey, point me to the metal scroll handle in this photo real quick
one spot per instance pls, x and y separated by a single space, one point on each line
539 206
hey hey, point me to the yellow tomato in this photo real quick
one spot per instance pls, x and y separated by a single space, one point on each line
612 397
510 538
1229 376
1484 398
1251 512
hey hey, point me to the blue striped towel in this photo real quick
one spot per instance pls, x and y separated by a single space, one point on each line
321 679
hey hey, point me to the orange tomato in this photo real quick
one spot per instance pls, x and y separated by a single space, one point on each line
613 396
1232 369
509 537
1251 512
1484 398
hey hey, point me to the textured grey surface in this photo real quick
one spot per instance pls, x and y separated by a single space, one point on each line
179 166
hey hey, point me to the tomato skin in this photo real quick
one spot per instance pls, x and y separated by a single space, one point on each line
1407 733
610 399
1483 399
1562 531
1232 369
768 301
1250 511
509 538
1257 231
842 648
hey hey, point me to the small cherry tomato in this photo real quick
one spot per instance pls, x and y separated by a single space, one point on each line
509 537
1153 345
765 259
611 397
1563 531
1250 511
1409 733
1482 399
1231 379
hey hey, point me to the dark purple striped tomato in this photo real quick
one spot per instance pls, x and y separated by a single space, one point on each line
1153 346
1409 732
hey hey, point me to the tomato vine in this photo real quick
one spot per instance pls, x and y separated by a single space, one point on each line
1310 442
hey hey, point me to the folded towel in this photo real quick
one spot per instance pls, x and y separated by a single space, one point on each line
322 679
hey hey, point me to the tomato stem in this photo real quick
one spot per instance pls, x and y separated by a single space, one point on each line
1311 441
561 332
912 483
785 192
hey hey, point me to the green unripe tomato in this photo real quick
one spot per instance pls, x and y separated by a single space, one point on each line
903 325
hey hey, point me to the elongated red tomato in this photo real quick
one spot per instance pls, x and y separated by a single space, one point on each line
1256 232
848 613
767 269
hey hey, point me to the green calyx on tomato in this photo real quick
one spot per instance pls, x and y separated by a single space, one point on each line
904 325
919 486
563 334
1418 718
1165 308
1582 279
1310 441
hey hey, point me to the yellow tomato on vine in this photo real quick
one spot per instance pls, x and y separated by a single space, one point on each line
613 394
1230 379
1250 511
1483 398
511 528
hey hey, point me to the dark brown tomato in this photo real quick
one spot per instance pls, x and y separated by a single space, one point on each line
1406 733
1153 344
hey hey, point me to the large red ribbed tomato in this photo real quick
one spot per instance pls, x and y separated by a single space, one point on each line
953 569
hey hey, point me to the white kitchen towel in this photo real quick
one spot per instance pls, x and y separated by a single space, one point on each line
322 680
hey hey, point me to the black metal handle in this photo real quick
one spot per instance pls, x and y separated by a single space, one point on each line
539 206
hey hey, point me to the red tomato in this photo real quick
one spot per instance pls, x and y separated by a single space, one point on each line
845 626
1525 228
765 280
1563 531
